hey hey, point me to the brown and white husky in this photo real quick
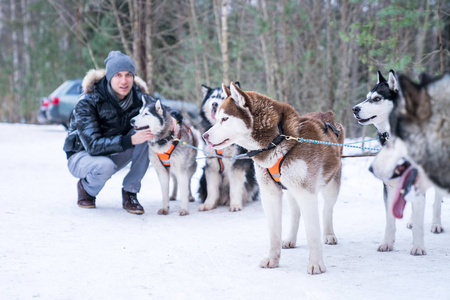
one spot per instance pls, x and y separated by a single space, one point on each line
263 126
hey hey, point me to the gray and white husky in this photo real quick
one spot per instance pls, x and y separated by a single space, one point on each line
224 182
168 157
375 110
420 134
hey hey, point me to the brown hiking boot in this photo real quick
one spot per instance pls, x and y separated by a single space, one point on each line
84 199
131 203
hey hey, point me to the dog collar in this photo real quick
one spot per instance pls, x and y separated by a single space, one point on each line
272 145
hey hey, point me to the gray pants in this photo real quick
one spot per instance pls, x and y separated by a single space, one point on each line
94 171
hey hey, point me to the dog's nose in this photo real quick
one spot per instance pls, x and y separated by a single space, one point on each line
132 122
214 105
356 110
205 136
371 169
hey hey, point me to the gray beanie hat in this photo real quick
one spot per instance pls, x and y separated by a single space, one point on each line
117 62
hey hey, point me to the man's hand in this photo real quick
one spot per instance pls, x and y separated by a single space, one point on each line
141 136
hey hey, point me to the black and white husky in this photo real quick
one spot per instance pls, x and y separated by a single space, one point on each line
375 110
166 155
224 182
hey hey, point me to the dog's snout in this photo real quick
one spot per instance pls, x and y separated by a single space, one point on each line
132 121
356 110
205 136
215 105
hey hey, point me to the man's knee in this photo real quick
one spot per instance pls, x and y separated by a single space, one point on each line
104 167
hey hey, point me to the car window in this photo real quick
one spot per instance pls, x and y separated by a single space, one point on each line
75 89
59 89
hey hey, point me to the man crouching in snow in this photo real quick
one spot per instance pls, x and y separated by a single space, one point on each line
101 140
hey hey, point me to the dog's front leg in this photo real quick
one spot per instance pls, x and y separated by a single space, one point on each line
184 182
164 179
418 212
389 233
294 209
309 207
237 187
271 196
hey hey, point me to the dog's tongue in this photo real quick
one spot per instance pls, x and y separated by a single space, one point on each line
406 181
213 114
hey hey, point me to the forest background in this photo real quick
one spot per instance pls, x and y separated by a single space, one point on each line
314 55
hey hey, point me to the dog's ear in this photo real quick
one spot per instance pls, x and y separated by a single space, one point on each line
159 108
425 78
238 84
226 90
144 101
205 90
237 95
392 82
417 100
380 78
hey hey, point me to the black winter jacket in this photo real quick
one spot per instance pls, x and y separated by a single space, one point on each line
98 124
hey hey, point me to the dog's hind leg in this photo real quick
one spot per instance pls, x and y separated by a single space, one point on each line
330 194
309 207
418 211
389 233
437 225
294 209
213 183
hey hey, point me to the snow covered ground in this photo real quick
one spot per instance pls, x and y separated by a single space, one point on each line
52 249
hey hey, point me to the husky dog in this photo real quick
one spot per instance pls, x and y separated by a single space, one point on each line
167 157
269 129
375 110
420 134
224 181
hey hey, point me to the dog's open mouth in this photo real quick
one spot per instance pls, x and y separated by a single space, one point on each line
141 128
213 112
408 175
365 120
210 145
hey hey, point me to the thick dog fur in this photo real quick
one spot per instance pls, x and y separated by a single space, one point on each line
421 131
183 162
253 121
236 184
375 110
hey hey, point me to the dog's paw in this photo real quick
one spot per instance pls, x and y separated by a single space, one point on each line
235 208
205 207
183 212
191 199
316 268
163 211
409 225
288 244
330 239
437 228
385 247
268 263
417 251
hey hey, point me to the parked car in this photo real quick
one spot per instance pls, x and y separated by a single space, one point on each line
58 106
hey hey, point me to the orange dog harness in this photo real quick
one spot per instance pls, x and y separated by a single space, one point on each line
165 156
275 171
220 152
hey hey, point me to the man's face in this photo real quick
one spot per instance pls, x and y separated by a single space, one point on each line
121 83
